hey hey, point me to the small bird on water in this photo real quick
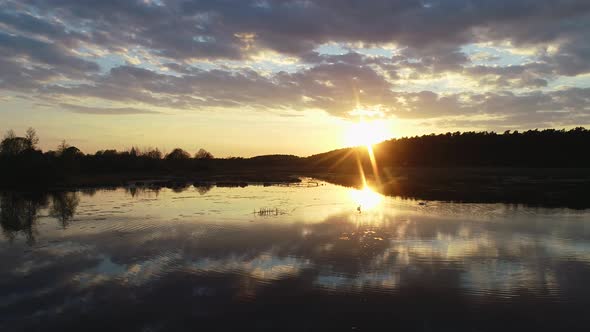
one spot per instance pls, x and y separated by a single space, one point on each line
358 208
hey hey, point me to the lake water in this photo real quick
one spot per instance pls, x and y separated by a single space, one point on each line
300 257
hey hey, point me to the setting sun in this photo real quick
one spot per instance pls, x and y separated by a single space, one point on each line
368 132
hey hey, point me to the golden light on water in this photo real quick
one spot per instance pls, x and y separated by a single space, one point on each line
366 198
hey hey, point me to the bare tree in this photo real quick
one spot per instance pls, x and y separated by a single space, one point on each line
9 134
32 138
63 146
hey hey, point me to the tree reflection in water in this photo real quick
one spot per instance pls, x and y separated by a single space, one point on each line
64 206
18 214
19 211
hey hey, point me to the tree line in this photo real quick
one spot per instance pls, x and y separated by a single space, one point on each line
532 148
14 146
22 162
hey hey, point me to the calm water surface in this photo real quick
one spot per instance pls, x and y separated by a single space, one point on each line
287 258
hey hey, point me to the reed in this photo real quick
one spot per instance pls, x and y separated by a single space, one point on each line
268 212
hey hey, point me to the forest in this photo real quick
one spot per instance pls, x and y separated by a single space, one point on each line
547 148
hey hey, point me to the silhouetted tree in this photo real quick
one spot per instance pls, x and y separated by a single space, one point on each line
152 154
32 138
109 153
15 145
71 152
62 147
203 154
134 152
178 154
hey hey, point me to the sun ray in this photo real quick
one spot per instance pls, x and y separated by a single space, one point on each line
374 164
341 159
366 133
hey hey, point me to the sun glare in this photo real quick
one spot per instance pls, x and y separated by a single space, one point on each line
365 198
367 133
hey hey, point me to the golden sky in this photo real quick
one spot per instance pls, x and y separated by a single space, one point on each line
250 77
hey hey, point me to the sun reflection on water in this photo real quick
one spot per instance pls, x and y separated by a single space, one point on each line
366 198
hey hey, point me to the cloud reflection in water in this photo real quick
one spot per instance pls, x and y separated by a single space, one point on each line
199 247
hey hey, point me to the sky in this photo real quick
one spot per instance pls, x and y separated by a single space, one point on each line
251 77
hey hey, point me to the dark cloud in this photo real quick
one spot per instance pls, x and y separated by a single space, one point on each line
22 22
204 29
41 43
43 52
27 63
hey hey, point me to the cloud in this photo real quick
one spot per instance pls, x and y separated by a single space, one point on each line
43 52
192 55
206 29
105 110
533 75
334 88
